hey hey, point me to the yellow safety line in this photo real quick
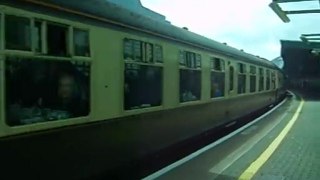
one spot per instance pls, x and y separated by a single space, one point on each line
257 164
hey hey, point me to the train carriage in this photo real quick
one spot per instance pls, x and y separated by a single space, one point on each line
88 87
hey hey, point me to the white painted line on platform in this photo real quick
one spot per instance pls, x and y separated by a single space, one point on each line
206 148
263 158
244 148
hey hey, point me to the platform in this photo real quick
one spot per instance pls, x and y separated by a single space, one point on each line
283 144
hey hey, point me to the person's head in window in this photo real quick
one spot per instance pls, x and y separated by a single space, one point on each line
66 87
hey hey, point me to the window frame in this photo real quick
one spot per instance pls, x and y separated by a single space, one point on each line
8 10
213 69
253 73
231 91
4 14
242 70
72 46
141 62
268 77
58 121
70 55
264 79
183 65
183 60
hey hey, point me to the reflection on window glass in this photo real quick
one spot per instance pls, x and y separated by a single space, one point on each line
81 42
143 86
57 39
261 79
268 80
231 78
17 33
217 84
41 90
190 85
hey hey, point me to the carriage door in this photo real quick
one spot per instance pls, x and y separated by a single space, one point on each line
231 90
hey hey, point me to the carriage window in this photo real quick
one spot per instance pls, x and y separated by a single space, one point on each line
231 78
190 85
217 64
43 90
190 59
81 42
132 50
148 53
242 78
273 80
17 33
253 79
143 86
158 53
268 83
261 79
217 78
57 39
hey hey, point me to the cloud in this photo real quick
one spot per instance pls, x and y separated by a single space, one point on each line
250 25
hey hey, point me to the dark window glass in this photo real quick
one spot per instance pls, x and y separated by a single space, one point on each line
190 85
148 57
253 81
253 70
137 50
241 83
182 58
57 39
81 42
268 83
43 90
217 84
241 68
190 59
198 61
38 36
231 78
143 86
18 33
242 78
128 49
273 80
158 53
261 79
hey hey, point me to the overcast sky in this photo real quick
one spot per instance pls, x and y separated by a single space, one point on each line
249 25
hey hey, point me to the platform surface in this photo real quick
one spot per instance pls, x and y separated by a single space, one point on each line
297 156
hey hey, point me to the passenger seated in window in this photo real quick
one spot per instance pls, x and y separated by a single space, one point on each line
216 90
69 96
188 96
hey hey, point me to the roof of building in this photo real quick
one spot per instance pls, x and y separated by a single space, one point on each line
299 44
